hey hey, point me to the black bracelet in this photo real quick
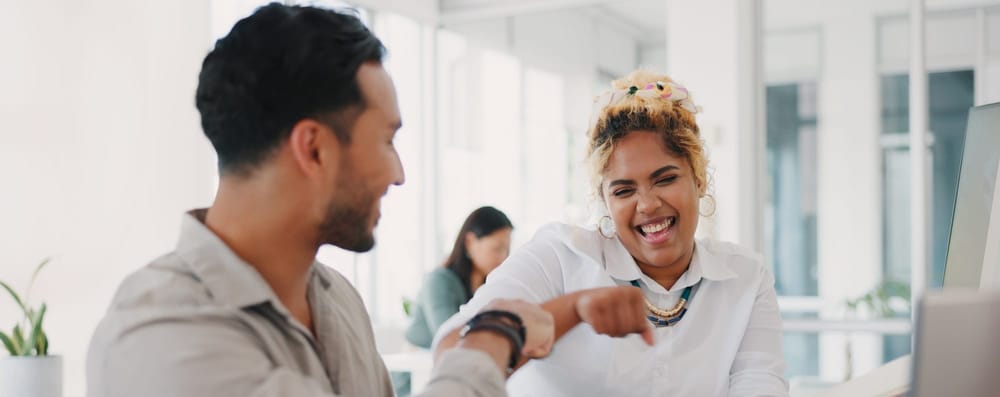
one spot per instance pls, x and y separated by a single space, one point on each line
499 316
502 314
490 321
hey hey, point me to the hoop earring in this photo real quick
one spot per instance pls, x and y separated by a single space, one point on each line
600 227
708 198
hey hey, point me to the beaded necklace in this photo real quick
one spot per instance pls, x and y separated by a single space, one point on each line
666 318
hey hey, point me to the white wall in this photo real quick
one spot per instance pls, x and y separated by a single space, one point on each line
569 59
576 50
850 220
710 66
846 47
101 150
654 57
425 11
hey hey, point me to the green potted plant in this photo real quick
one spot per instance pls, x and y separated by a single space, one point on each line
29 370
878 303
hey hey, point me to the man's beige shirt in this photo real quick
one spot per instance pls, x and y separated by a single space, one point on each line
200 321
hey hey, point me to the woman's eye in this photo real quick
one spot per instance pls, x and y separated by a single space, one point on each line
667 180
622 192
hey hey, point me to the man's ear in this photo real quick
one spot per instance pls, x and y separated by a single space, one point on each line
309 142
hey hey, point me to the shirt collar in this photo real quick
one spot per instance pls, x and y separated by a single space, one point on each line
229 279
705 264
619 262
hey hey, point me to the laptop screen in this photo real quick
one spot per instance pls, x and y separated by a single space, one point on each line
977 184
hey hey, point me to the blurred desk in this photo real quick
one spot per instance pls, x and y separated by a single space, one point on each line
891 379
418 363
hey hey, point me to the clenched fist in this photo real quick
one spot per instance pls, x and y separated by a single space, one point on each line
615 311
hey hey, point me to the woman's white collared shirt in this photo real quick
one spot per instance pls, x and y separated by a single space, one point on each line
728 343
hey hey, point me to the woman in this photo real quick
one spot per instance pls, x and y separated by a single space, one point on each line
482 244
707 310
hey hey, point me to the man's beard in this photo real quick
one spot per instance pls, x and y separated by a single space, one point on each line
346 222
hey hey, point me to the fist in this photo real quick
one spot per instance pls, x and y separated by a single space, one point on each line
615 311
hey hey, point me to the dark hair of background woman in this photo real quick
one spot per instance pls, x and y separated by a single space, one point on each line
481 222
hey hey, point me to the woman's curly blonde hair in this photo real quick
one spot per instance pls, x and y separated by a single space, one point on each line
674 123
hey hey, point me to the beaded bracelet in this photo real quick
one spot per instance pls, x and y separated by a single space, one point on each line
494 320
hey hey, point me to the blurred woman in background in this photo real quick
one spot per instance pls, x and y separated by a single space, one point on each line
481 245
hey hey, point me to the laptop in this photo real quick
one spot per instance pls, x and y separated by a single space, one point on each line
974 245
957 345
957 351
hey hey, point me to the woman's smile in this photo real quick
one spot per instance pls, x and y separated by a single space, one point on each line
658 230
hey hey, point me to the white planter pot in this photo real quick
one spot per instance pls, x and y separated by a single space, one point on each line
31 376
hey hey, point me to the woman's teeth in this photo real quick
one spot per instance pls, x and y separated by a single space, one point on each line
656 227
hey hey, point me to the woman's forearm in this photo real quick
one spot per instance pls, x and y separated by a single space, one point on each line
564 316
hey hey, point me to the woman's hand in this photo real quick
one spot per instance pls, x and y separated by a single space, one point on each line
615 311
538 325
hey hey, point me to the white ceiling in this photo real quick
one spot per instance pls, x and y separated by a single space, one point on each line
642 19
648 15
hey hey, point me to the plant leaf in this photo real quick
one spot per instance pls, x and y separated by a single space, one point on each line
36 327
38 269
17 338
34 274
15 296
9 344
42 344
407 306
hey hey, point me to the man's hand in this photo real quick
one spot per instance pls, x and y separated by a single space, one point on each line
615 311
538 325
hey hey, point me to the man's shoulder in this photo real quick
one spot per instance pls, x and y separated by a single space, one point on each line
332 276
342 299
339 288
166 281
162 307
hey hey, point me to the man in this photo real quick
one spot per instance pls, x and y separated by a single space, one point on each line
302 115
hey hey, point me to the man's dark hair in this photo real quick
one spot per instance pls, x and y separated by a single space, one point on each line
276 67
